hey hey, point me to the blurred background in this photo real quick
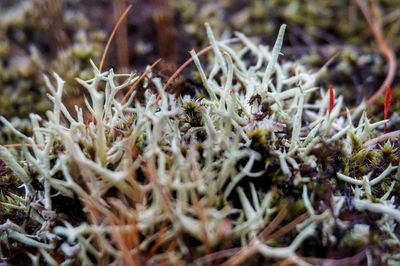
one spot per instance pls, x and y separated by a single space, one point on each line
43 36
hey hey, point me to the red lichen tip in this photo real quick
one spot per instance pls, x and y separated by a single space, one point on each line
331 99
388 98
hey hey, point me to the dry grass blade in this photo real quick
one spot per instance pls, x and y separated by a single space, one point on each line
374 20
357 259
137 82
354 260
273 224
105 52
17 145
160 240
241 256
126 234
247 251
203 220
216 255
287 228
151 174
121 38
189 61
285 262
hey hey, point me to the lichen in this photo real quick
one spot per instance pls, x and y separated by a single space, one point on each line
255 165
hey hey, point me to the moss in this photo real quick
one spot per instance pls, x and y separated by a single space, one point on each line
193 114
356 144
260 139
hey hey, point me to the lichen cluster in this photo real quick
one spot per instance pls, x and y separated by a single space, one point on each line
319 31
42 36
257 171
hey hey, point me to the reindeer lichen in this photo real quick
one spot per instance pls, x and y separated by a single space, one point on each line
175 179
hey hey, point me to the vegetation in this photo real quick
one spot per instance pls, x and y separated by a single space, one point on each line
245 160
